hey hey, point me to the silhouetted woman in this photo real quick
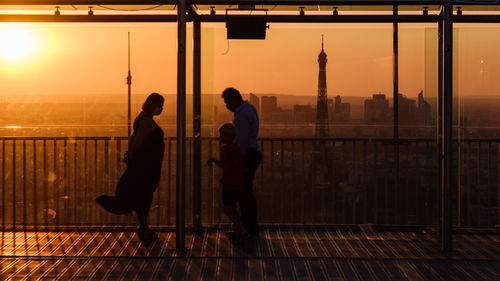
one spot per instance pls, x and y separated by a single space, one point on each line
138 183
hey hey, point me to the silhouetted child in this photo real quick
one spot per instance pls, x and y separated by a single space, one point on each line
231 162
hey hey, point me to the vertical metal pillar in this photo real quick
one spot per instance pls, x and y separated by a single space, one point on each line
129 83
181 127
197 125
440 116
395 75
395 101
447 46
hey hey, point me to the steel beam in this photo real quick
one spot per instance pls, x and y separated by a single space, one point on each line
86 18
333 19
181 128
227 2
440 114
197 125
207 18
395 106
446 231
477 19
395 72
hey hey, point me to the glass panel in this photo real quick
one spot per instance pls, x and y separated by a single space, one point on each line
63 129
476 124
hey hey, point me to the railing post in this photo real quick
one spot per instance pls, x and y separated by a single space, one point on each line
447 88
14 186
197 125
181 126
3 186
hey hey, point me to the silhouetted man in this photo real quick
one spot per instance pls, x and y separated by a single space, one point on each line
246 122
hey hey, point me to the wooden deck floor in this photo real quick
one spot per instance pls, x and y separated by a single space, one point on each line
279 254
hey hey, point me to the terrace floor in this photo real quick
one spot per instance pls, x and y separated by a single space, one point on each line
334 253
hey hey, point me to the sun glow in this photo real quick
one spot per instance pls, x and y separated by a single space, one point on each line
16 43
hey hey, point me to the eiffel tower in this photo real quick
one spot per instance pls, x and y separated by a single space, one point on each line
322 129
322 149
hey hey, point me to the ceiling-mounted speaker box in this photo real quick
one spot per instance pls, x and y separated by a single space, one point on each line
246 27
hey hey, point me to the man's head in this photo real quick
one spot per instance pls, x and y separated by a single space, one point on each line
227 133
232 98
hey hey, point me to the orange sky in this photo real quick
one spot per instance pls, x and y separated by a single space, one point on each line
92 58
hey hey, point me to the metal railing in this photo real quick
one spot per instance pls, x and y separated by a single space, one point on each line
53 182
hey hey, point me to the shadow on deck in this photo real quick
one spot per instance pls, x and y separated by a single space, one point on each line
340 253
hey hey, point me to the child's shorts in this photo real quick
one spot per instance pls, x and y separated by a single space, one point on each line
230 197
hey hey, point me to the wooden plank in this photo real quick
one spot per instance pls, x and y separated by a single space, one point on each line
163 269
332 270
54 271
378 270
286 269
115 271
85 270
146 269
481 245
43 268
317 270
354 241
342 244
469 270
493 242
71 270
199 241
240 269
224 269
409 271
255 270
362 270
275 242
264 246
491 270
303 242
22 269
393 270
194 270
301 269
442 268
428 273
317 245
328 243
209 269
290 243
270 270
347 270
210 244
179 269
370 245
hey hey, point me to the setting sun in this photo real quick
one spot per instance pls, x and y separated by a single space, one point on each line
16 43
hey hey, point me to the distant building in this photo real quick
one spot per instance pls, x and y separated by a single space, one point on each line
341 111
423 110
304 114
254 100
268 106
377 110
407 110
